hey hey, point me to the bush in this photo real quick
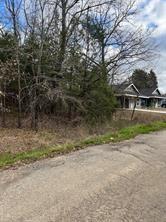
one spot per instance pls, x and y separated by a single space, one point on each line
100 104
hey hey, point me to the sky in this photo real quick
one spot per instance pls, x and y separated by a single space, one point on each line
153 15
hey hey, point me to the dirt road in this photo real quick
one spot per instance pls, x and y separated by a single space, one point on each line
116 183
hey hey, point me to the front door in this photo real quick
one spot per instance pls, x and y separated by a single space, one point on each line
127 103
132 103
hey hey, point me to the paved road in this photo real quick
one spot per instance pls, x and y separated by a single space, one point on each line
117 183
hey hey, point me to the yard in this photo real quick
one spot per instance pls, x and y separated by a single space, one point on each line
24 145
15 140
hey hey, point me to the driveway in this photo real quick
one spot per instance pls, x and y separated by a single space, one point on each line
162 111
117 183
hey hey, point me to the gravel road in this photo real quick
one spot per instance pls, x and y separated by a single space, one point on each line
123 182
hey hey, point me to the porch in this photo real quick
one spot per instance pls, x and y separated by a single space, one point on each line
129 102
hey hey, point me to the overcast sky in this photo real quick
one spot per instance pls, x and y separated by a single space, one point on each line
153 15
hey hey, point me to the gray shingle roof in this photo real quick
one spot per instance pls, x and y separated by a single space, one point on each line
122 89
147 92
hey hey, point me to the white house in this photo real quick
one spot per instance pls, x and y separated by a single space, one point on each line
129 96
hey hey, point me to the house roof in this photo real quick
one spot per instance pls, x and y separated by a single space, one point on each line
131 89
147 91
127 89
151 93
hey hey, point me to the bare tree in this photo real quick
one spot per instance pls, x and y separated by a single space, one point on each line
8 73
119 42
13 8
40 18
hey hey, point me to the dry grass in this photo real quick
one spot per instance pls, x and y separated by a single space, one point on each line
140 117
10 159
53 132
15 140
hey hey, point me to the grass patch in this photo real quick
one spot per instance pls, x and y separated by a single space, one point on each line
9 159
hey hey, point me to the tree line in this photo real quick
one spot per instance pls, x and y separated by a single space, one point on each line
60 57
144 80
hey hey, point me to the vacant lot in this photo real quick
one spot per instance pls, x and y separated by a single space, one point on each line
14 140
140 117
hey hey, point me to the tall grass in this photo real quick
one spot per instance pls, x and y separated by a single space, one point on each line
8 159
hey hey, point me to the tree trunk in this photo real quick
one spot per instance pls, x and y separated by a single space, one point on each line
19 94
4 105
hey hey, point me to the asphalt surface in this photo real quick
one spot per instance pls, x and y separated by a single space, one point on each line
124 182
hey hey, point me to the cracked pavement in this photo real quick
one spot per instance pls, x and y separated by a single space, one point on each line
115 182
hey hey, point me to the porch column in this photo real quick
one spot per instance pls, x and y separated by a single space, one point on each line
124 99
146 103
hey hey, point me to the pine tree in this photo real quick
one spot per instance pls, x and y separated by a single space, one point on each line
139 78
143 79
152 79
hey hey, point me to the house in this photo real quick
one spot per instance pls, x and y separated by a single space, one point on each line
129 96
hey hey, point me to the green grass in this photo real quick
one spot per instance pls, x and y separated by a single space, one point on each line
8 159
